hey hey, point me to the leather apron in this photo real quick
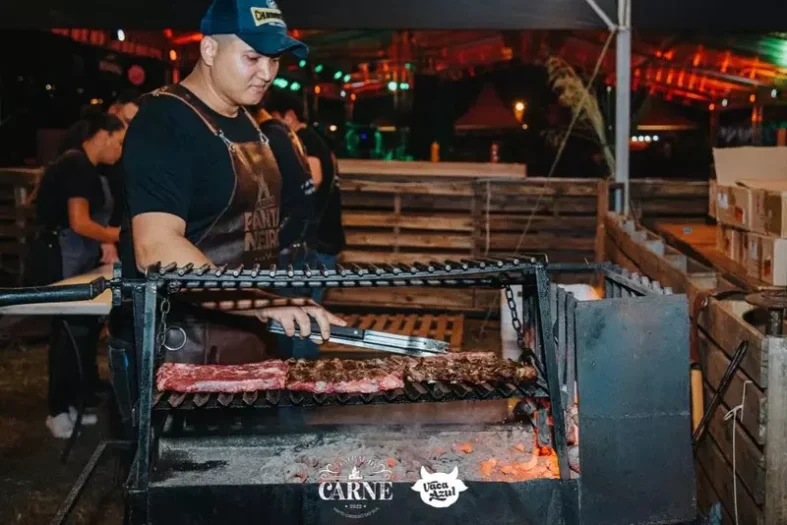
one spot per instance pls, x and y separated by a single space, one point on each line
246 232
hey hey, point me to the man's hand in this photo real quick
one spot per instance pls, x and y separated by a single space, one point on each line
288 316
109 254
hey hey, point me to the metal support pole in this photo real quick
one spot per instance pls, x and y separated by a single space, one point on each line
553 379
623 106
146 385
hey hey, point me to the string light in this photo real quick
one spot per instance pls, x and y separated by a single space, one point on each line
173 55
404 86
712 106
295 86
752 98
343 93
121 35
333 127
724 102
392 86
347 77
774 93
318 68
337 75
302 63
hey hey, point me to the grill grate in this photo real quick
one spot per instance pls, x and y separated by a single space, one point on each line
411 393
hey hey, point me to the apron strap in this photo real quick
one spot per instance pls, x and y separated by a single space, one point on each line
187 97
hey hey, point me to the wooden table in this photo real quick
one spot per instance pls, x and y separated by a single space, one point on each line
99 306
699 241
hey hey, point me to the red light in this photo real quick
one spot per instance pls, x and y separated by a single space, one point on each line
752 98
712 107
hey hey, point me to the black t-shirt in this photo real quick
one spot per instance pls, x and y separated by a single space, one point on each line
297 188
71 175
174 164
327 199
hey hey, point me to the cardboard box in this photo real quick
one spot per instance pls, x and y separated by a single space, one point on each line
743 176
742 254
728 242
773 261
734 206
753 252
765 205
774 210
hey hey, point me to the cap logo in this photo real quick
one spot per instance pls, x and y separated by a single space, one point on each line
264 15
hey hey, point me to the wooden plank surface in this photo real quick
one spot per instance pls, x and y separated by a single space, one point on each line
413 221
714 364
750 462
699 242
719 472
722 320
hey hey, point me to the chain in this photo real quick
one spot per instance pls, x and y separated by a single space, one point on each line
517 324
162 327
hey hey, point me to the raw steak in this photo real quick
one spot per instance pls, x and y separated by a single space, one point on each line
230 379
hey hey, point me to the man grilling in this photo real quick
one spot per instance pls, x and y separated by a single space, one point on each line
203 186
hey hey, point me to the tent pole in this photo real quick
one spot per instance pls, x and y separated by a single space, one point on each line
623 106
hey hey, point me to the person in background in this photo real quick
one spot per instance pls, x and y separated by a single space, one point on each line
328 231
125 107
296 211
73 208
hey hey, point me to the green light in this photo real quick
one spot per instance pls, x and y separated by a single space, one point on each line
392 85
347 78
280 82
408 65
337 75
295 86
318 68
302 63
404 86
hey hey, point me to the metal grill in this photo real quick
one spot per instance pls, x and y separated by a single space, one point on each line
465 272
411 393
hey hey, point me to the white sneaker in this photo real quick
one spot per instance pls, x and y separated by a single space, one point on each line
87 419
60 426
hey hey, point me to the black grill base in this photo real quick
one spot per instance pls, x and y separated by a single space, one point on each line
538 502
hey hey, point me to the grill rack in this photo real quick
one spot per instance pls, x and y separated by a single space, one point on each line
448 273
411 393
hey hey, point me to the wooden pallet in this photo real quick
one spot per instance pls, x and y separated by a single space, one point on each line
448 328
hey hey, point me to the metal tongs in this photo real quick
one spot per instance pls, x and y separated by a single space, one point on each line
382 341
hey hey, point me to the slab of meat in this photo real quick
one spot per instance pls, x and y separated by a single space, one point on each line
344 376
230 379
467 367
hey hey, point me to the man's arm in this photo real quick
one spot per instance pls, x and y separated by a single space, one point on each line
160 237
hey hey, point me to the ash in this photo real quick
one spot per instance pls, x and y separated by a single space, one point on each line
496 453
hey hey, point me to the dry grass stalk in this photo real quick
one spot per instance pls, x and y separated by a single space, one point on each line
573 94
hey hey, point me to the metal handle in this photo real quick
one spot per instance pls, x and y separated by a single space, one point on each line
52 294
343 332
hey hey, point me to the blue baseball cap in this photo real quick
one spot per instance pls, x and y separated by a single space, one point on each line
258 23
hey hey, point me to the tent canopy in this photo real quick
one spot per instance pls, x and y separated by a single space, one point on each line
488 113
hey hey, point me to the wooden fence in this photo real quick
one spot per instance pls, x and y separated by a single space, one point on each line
415 211
756 444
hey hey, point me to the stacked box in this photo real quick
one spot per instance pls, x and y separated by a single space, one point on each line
750 204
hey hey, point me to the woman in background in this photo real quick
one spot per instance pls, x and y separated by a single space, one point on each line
73 206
